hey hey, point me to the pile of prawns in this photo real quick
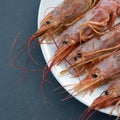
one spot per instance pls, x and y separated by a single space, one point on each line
89 37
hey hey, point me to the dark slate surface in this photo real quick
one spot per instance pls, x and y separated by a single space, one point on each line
20 97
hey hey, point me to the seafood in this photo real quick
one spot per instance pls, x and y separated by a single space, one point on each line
99 19
93 48
64 15
110 97
100 73
103 15
106 68
71 33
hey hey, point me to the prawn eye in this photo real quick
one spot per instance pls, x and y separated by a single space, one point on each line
65 41
48 22
79 55
106 92
94 75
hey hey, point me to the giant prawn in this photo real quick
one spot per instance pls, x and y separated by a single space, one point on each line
62 16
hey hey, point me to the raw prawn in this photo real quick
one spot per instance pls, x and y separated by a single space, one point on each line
71 33
66 14
110 97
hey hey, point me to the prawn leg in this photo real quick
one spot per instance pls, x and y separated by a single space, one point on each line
95 26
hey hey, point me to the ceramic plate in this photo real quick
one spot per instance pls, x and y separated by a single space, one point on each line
47 49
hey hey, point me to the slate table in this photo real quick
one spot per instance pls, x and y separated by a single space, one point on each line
20 97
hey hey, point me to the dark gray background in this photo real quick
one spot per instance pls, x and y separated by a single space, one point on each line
20 97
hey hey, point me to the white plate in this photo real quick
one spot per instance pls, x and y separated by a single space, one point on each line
48 49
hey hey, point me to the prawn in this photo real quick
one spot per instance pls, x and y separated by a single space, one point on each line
71 33
110 97
99 19
104 15
93 48
99 74
64 15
